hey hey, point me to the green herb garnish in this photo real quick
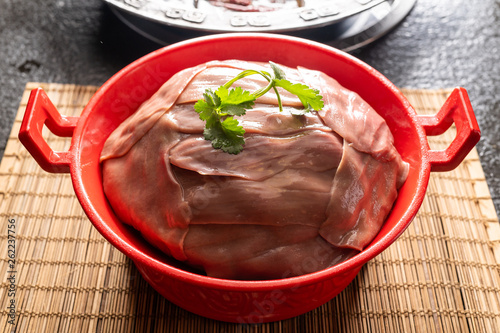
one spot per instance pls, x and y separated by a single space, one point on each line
218 108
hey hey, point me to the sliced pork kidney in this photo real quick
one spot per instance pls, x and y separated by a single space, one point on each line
305 193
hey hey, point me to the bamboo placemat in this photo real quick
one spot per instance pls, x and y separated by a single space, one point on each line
442 275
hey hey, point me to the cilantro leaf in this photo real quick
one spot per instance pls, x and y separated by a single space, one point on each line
226 135
215 134
279 74
206 106
203 109
234 135
310 98
223 130
218 107
235 101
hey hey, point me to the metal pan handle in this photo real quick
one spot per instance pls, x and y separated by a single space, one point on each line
458 110
40 111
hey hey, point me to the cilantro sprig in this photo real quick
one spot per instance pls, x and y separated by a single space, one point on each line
218 108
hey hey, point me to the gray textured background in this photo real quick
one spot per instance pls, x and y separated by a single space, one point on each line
440 44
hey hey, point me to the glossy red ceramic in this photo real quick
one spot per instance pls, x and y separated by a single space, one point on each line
228 300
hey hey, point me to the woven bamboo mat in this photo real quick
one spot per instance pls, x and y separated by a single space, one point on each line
442 275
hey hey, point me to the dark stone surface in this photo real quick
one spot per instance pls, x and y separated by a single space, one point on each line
440 44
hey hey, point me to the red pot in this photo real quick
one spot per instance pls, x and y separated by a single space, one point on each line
228 300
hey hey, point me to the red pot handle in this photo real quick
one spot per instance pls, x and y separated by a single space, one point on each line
457 109
40 111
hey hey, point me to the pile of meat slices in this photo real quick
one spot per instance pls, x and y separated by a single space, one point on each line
307 191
